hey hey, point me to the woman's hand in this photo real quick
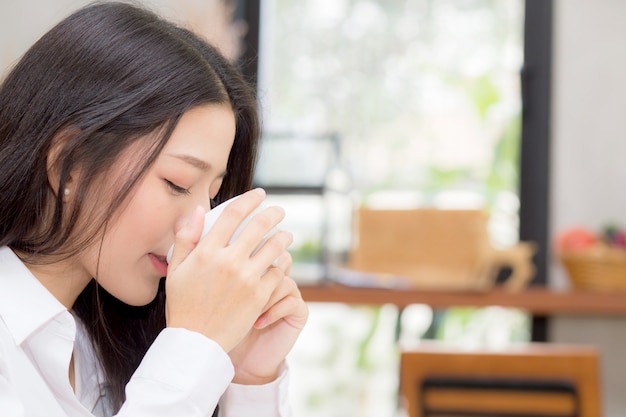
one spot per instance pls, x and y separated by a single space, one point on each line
218 289
258 357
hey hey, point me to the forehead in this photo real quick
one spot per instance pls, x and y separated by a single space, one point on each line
206 133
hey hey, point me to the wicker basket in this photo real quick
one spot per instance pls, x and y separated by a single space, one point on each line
600 268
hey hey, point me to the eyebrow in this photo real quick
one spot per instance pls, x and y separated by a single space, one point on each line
192 160
195 162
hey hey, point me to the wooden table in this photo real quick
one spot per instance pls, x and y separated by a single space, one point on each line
536 300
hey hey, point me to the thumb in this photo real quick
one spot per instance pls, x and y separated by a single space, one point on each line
187 238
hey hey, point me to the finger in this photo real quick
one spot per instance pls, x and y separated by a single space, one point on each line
187 237
268 283
284 262
273 252
231 217
285 287
275 272
291 308
258 228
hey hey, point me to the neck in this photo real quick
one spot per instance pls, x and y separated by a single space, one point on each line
64 279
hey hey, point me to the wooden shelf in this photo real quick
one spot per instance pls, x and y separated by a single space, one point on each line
536 300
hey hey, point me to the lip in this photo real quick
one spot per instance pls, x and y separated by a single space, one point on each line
159 263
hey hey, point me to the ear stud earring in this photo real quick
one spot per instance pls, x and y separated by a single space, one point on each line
66 191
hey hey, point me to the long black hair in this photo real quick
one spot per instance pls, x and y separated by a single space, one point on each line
108 76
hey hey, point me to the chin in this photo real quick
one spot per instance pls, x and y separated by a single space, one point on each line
140 301
138 297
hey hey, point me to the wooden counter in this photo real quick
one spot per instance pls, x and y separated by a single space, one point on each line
536 300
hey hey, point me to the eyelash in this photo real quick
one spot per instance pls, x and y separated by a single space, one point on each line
177 189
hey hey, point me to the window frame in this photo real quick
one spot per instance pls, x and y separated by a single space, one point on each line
535 76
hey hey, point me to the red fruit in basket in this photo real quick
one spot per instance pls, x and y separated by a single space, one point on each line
575 239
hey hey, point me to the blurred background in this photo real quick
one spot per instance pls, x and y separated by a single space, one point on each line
509 106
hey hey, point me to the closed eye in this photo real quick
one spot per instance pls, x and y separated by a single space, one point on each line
176 188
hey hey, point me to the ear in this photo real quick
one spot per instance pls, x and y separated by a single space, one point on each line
54 160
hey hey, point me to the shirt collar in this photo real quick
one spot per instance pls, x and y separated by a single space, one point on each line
25 304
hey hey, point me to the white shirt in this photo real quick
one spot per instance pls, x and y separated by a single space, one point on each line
183 373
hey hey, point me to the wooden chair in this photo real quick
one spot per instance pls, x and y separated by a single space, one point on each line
436 249
537 379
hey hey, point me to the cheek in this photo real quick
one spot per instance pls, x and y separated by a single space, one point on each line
144 225
148 221
141 216
149 212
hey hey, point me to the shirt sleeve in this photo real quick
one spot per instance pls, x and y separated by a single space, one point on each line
268 400
183 373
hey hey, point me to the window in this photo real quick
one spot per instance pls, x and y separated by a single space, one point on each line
424 97
426 102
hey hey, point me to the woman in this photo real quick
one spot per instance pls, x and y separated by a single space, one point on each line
118 130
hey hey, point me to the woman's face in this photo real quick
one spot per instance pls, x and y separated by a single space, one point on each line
188 172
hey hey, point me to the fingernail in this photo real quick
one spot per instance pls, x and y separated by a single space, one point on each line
259 191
